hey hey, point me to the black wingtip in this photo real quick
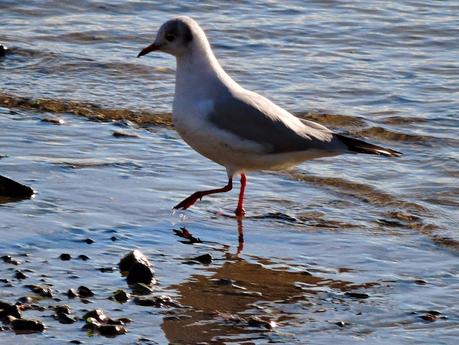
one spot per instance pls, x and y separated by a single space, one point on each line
360 146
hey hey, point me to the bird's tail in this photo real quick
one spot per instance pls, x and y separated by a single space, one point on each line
360 146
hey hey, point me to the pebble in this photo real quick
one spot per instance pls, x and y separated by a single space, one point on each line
72 293
65 257
84 292
120 296
53 120
357 295
205 259
157 301
9 260
20 275
41 290
83 257
3 50
122 134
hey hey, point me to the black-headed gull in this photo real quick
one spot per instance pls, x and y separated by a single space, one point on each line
235 127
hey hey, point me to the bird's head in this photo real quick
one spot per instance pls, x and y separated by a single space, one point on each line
174 37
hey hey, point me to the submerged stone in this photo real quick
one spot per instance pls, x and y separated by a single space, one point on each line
13 189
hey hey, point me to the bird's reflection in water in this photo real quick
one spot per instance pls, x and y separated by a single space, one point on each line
243 288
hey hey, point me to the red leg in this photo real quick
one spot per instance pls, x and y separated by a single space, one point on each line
240 205
198 195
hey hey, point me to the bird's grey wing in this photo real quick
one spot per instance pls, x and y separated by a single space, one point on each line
252 117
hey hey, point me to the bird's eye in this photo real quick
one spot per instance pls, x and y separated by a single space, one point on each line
170 37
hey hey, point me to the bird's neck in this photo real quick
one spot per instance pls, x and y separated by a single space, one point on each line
199 74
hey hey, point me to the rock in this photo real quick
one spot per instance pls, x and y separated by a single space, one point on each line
64 318
430 316
53 120
96 314
157 301
356 295
65 257
112 330
122 134
107 269
340 323
25 299
88 241
205 259
84 292
41 290
3 50
141 289
138 268
13 189
8 309
72 293
83 257
120 296
27 326
20 275
9 260
97 320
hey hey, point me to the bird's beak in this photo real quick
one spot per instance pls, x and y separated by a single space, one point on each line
149 49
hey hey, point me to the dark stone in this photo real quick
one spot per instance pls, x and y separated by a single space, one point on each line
13 189
9 260
121 134
25 299
64 319
53 120
141 289
83 257
114 238
157 301
356 295
3 50
7 309
120 296
138 268
88 241
340 324
205 259
20 275
84 292
72 293
96 314
420 282
112 330
27 326
65 257
107 269
62 309
41 290
430 316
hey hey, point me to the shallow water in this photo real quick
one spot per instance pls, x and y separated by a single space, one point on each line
384 227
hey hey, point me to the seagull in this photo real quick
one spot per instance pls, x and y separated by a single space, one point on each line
232 126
